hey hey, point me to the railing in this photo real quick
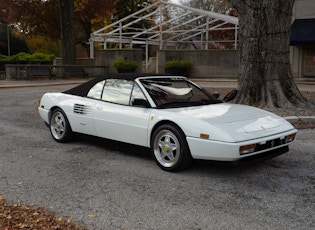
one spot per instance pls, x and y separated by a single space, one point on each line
22 72
2 75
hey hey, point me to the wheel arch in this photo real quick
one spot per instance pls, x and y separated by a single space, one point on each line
184 160
51 110
69 134
163 122
57 107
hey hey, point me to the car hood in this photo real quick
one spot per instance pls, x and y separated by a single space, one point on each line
231 122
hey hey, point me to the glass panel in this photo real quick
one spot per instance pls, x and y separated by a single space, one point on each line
117 91
176 92
137 93
96 90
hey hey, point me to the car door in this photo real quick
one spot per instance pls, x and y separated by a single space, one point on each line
81 116
115 118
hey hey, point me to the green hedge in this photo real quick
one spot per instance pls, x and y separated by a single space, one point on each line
183 64
178 67
124 65
28 57
25 58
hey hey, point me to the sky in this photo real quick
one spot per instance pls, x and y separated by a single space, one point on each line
176 1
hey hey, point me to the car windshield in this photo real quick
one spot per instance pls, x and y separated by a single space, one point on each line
177 92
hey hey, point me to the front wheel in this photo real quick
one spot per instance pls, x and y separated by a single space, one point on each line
170 148
59 126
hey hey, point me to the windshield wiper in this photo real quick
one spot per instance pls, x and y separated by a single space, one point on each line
178 104
211 101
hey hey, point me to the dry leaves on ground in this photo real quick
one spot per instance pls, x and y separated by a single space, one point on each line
14 216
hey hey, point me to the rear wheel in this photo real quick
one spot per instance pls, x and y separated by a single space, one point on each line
170 148
59 126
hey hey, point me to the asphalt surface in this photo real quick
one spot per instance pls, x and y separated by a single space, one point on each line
108 185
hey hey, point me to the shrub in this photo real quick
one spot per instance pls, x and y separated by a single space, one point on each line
179 67
3 57
21 57
28 57
124 65
180 64
42 56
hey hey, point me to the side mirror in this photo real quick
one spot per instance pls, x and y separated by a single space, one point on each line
139 102
230 96
216 95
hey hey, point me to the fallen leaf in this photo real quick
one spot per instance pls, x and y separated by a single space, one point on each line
29 217
21 225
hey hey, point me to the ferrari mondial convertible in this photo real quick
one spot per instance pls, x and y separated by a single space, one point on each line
177 119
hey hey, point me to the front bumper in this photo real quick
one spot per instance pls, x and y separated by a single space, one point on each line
225 151
44 114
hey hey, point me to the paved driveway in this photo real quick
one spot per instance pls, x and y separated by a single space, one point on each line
106 185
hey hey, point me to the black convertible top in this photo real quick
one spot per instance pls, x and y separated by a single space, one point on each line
83 89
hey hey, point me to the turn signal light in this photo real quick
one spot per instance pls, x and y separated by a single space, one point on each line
290 138
246 149
204 136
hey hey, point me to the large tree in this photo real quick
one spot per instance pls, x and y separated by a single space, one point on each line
35 17
266 78
67 31
90 15
15 44
124 8
38 18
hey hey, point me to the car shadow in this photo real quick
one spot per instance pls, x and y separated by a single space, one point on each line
197 166
230 169
111 145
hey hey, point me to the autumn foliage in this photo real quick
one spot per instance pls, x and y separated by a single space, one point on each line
39 18
42 18
15 216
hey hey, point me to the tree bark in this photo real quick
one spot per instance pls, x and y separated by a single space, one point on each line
266 78
67 32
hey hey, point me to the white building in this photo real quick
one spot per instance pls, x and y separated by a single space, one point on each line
302 39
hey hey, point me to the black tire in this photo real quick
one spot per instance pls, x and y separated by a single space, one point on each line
59 127
170 148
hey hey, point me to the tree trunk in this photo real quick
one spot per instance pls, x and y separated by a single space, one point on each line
67 32
266 78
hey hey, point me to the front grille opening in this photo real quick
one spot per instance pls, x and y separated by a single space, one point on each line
248 149
269 144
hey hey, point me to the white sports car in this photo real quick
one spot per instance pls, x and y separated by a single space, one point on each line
177 119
